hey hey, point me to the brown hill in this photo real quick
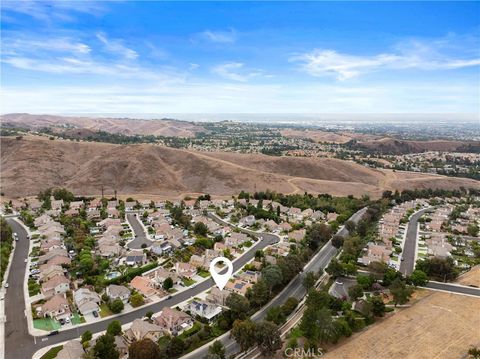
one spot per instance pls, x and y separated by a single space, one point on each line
33 164
393 146
123 126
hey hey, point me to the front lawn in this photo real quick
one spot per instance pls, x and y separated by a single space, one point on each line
188 282
77 319
46 324
52 353
33 287
203 273
105 310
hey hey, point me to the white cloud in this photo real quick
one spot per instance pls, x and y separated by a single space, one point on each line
222 37
14 44
235 71
411 54
49 11
116 46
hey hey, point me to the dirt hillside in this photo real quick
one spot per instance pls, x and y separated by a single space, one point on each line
33 164
123 126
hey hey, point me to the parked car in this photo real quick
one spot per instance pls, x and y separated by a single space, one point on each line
55 332
95 314
62 321
6 285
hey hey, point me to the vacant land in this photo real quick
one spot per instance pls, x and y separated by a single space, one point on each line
440 325
472 277
33 163
394 146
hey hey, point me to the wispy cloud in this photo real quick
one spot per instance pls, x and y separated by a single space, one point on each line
221 37
14 44
52 10
117 47
411 54
235 71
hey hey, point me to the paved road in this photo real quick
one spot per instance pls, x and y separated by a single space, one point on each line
20 344
454 288
140 236
294 289
410 246
17 340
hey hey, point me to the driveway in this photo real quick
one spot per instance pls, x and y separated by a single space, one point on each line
140 236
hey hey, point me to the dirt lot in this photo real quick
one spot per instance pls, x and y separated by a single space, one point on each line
439 325
472 277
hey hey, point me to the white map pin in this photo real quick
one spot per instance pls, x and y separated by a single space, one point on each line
221 279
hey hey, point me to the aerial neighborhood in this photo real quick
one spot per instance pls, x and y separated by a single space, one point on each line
92 259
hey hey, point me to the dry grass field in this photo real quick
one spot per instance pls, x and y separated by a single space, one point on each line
35 163
440 325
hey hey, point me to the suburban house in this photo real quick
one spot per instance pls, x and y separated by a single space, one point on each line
71 349
58 284
141 329
58 252
185 270
87 301
247 221
217 296
173 321
122 346
56 307
136 258
49 271
144 286
249 276
203 309
375 253
159 275
238 286
118 292
236 239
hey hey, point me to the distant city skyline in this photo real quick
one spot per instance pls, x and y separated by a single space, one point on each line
322 58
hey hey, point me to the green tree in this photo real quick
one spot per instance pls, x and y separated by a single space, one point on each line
136 300
167 283
275 315
318 234
418 278
309 280
217 349
378 306
238 305
258 294
472 230
272 276
335 268
114 328
365 281
200 229
400 291
350 226
116 306
337 241
355 292
105 347
474 352
175 347
244 333
86 336
267 337
149 314
144 349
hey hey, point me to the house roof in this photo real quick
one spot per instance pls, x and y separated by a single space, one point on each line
55 303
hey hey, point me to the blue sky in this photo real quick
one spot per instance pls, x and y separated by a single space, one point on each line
226 57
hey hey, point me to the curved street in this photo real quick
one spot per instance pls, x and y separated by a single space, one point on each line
407 264
20 344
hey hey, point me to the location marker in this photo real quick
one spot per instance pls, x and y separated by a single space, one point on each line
221 279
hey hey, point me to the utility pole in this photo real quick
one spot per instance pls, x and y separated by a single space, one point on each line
102 192
115 194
